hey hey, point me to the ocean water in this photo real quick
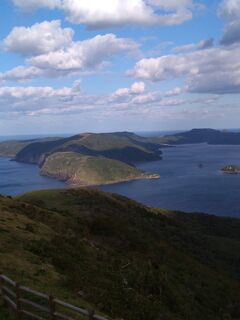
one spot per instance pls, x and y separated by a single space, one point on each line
186 187
183 185
17 178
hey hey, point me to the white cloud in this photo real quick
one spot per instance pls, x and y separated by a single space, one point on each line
31 100
202 45
28 99
214 70
229 11
40 101
78 57
32 5
136 88
85 54
38 39
110 13
21 73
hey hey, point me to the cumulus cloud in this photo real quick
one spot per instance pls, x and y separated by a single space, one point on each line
136 88
38 39
39 101
214 70
60 59
28 99
229 11
87 54
33 101
110 13
204 44
21 74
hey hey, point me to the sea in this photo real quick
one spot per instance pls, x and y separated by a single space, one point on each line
191 180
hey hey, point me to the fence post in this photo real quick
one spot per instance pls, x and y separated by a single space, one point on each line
52 307
91 314
18 302
1 284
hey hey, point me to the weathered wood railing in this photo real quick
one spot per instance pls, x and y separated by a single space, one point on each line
31 304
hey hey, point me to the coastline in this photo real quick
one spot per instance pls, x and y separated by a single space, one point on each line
72 184
231 169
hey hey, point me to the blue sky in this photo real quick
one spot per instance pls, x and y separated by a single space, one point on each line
137 65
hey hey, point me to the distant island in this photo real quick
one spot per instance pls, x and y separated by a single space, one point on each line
87 159
210 136
231 169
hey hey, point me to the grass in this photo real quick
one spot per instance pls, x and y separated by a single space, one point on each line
129 261
118 146
86 170
11 148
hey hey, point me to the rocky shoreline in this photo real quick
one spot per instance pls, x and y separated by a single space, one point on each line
231 169
75 182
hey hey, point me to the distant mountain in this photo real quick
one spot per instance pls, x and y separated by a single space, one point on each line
121 258
12 147
209 136
123 146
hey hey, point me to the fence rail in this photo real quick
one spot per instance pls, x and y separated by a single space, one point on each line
31 304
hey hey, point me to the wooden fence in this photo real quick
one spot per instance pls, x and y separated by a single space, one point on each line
31 304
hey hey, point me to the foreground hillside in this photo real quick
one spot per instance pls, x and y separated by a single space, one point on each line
125 259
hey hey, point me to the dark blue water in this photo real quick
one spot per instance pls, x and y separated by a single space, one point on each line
17 178
184 186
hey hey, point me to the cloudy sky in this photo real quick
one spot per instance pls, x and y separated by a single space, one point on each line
70 66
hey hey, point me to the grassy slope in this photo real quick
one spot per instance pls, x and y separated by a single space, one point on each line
85 170
115 146
130 261
13 147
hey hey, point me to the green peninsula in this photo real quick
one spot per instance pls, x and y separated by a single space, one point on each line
77 169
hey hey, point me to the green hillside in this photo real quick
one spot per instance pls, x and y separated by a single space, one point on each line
12 147
128 261
124 147
77 169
